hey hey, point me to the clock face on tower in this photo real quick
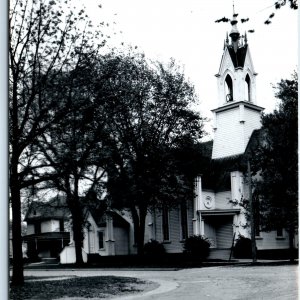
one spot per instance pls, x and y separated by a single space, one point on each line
208 202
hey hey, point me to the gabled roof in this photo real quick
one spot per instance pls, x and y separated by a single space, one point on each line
56 208
256 138
99 215
238 57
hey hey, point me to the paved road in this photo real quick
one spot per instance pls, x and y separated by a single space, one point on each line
229 282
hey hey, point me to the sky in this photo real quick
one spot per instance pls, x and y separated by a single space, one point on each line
187 31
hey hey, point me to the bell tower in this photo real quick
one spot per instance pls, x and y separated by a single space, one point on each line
237 114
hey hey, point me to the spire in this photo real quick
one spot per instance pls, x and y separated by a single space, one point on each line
234 34
245 39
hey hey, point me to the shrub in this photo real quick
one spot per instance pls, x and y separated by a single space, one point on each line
197 245
242 248
154 248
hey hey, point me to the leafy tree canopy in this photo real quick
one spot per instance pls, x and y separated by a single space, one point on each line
276 160
147 106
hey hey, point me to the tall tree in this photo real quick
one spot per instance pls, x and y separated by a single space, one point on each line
72 147
43 41
148 113
276 161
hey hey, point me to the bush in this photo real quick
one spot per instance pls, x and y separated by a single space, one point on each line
242 248
197 245
154 248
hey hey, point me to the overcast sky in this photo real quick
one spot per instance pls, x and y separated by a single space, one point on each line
186 30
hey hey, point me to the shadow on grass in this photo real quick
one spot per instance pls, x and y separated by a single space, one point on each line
82 287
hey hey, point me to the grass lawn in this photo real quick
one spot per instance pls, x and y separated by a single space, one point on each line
40 288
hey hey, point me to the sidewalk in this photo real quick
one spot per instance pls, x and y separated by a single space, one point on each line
236 262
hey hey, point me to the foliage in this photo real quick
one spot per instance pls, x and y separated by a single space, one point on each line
71 147
147 107
275 160
45 39
154 248
277 5
197 245
242 248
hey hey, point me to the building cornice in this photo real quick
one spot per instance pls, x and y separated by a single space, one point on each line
232 105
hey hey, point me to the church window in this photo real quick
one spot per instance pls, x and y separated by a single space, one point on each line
37 227
61 225
256 212
247 88
228 89
184 221
279 232
101 239
165 224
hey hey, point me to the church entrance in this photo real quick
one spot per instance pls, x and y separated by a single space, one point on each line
219 230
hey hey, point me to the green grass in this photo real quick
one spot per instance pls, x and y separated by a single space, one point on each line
84 287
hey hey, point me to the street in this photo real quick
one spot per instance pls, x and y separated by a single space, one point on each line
229 282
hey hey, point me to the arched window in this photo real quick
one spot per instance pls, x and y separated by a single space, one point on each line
247 88
228 89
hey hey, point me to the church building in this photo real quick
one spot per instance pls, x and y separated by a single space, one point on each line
215 211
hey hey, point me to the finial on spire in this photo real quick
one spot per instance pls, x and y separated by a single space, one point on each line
234 34
233 7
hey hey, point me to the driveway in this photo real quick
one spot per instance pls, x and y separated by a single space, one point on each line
228 282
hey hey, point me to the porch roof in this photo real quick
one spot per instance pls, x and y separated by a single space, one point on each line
220 212
55 235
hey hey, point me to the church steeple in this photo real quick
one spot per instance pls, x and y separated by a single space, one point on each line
237 114
234 34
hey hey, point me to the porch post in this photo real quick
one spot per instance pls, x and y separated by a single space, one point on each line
253 241
197 200
110 242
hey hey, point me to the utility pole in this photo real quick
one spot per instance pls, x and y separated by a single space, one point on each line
253 241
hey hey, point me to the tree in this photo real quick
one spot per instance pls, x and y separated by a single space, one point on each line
149 118
44 41
73 146
277 5
275 160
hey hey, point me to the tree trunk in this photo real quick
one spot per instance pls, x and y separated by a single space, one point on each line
77 221
18 276
78 239
139 220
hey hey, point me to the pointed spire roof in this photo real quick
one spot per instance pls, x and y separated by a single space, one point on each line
236 49
234 34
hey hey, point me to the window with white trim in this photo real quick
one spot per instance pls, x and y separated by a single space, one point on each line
184 220
165 224
101 239
228 89
247 88
256 212
279 232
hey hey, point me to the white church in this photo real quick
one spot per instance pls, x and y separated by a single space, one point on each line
214 212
